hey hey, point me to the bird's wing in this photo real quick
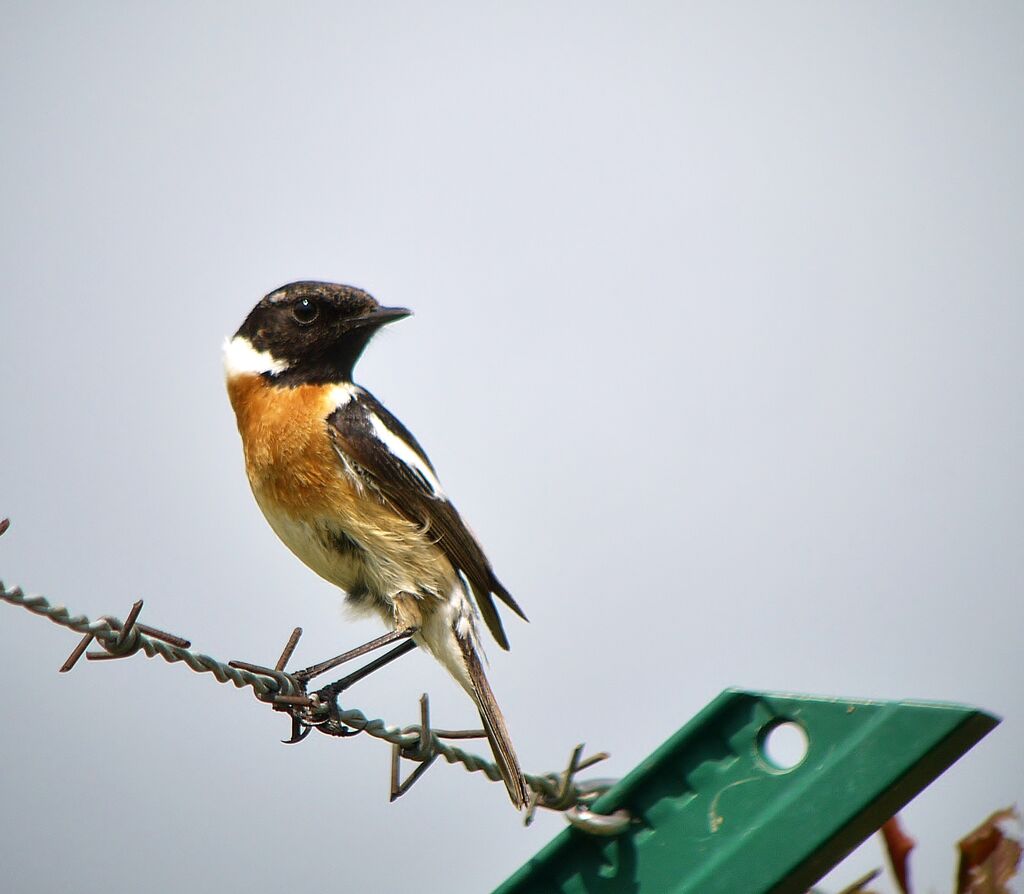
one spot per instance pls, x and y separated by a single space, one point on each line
367 436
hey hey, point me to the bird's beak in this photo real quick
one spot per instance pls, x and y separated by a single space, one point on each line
381 315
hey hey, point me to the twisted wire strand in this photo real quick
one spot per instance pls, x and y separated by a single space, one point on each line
553 790
409 739
106 632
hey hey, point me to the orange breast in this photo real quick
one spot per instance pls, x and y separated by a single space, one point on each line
301 485
288 456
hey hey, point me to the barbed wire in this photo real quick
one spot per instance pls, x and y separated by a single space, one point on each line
322 711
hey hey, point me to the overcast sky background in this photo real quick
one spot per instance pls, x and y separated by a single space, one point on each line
717 346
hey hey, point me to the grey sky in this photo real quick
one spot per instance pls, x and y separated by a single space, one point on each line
717 347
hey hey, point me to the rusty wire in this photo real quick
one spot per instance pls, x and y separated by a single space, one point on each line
285 692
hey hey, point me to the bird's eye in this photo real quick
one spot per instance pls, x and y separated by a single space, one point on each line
305 311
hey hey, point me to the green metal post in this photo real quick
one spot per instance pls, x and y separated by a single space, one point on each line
713 815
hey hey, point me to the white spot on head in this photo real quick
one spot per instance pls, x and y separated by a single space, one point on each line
241 357
402 451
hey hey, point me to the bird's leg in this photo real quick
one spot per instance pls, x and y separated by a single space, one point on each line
339 686
328 695
374 644
408 621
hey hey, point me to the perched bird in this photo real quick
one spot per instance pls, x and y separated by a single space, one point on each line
349 490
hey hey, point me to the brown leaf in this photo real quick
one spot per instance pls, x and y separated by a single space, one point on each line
898 845
988 857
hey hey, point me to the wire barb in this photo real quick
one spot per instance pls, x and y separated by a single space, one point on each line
321 710
76 653
421 752
289 648
155 633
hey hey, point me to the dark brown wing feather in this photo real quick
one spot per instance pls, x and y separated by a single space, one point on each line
406 489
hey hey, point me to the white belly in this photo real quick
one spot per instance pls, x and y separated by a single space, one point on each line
309 540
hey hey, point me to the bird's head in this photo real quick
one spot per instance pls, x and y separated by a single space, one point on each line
307 333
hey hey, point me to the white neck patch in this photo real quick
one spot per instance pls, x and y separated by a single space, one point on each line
240 357
341 394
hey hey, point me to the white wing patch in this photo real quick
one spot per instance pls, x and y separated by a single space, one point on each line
403 452
241 357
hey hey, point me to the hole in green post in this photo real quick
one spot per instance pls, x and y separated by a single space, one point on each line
783 744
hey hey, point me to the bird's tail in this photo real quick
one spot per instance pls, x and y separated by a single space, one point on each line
450 636
494 724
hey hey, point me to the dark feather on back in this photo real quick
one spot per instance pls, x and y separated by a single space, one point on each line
408 492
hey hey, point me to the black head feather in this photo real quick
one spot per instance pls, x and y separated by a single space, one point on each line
317 330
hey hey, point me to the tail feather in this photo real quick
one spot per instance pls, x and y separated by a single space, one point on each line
494 726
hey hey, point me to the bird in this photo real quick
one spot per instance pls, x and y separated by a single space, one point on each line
352 494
